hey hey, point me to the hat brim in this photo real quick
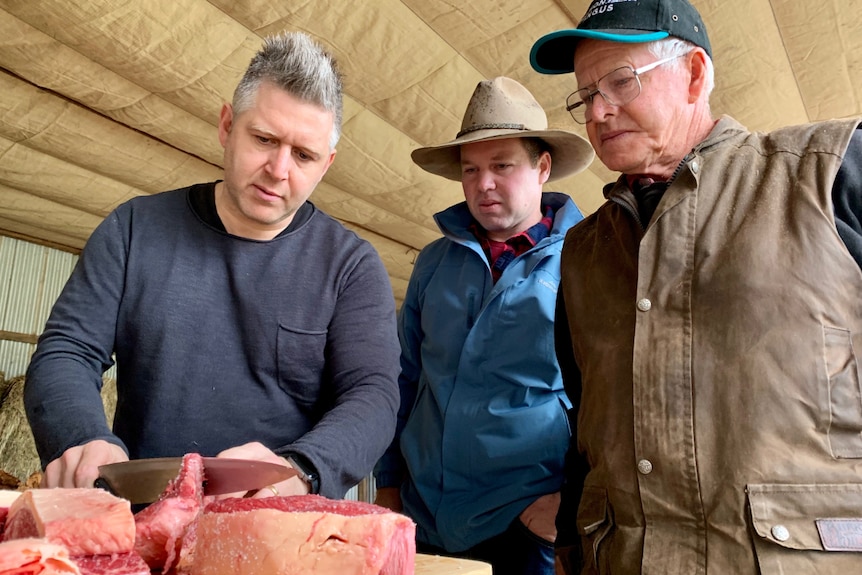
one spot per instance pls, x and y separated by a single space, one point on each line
554 53
570 152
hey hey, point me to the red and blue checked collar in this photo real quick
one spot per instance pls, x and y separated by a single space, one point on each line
501 254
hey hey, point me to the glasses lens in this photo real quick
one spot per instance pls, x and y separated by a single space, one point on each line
617 88
576 104
620 86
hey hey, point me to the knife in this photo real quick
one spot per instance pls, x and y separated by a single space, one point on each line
144 480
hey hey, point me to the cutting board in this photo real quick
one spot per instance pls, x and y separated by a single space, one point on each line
436 565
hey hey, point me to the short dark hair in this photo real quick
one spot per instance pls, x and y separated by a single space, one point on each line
535 148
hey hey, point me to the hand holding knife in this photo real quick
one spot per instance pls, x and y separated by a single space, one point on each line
250 470
304 481
143 480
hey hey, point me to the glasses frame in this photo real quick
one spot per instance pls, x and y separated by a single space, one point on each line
591 92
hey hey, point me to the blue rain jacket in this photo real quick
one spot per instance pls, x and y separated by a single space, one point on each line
482 429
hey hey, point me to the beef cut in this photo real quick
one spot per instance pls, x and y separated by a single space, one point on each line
82 531
117 564
7 497
85 521
302 534
31 556
162 526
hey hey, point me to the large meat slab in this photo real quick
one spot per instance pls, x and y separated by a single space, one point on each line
302 534
85 521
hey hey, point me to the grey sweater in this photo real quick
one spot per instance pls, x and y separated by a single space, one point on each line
221 340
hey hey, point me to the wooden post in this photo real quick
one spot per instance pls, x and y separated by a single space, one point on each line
20 337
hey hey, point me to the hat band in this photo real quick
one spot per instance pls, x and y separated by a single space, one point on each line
492 127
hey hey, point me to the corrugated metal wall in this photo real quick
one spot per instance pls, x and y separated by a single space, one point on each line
31 278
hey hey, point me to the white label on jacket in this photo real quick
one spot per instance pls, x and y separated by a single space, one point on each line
840 534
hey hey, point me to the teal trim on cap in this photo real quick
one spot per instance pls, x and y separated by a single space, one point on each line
634 38
554 53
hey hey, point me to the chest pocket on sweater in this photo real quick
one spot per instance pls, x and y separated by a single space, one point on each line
807 529
301 360
845 395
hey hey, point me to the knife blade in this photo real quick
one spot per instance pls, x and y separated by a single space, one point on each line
144 480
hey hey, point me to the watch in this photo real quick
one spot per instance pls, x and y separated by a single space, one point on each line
306 471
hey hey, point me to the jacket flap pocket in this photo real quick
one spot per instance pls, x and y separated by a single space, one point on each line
593 510
826 517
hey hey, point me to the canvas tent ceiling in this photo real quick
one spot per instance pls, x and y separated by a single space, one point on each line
103 100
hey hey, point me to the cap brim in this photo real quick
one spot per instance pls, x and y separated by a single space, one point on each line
570 153
554 53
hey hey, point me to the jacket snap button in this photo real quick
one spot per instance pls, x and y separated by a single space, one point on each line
780 533
645 466
694 166
644 304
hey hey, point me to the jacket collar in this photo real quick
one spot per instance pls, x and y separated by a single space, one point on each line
454 222
724 129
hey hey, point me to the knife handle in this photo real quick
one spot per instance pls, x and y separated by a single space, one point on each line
100 483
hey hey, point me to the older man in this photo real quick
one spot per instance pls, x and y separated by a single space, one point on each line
709 318
478 459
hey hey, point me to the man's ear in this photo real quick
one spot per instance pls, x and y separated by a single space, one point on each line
697 68
225 122
544 165
329 162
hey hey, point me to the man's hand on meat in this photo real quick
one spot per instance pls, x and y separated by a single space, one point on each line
79 466
258 452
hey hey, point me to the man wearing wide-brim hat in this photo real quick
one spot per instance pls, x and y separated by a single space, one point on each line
478 458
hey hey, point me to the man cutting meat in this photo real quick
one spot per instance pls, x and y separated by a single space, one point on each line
243 320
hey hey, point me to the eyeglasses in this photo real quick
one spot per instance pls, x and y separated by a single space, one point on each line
618 88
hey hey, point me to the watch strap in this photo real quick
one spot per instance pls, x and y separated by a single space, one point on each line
306 470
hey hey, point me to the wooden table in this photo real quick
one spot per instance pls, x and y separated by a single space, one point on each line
436 565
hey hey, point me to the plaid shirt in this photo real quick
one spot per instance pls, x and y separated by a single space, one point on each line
501 254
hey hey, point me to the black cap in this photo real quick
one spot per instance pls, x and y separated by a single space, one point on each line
632 21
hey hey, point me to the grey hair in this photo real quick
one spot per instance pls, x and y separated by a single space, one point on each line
672 46
298 65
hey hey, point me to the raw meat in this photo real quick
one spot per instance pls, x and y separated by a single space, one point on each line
302 534
187 553
118 564
7 497
32 556
76 523
35 556
162 525
85 521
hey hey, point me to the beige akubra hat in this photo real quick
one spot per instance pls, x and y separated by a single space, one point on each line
502 108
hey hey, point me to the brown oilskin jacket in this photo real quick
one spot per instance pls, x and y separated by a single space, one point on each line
720 420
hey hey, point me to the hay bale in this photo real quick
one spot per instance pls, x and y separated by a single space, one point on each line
109 398
17 450
4 386
18 455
